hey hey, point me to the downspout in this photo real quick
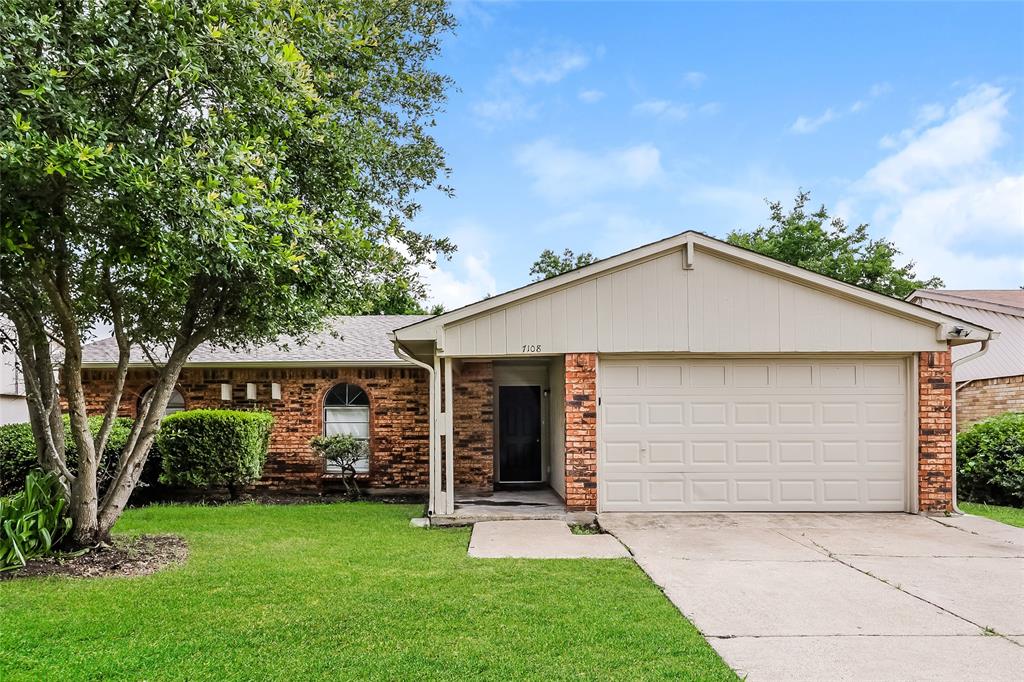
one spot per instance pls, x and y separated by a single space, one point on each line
404 353
981 351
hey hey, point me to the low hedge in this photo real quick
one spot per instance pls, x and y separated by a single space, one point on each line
990 461
18 451
214 448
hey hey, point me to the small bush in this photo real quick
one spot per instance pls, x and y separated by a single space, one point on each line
212 448
990 461
18 451
32 522
344 451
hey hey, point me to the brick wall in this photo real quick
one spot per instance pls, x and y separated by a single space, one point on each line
986 398
935 427
399 421
473 425
581 431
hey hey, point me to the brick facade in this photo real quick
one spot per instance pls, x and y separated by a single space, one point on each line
473 425
935 431
399 421
984 398
581 431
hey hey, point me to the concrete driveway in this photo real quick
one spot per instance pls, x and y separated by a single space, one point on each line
842 596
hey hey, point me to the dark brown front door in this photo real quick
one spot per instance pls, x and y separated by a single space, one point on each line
519 433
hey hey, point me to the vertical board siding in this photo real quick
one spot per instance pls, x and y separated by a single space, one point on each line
656 306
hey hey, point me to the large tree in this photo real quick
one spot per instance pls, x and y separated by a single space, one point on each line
189 171
827 245
549 264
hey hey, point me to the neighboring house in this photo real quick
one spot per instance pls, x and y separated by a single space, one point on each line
687 374
994 382
13 406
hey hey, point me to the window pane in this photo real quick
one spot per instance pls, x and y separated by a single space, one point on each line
351 429
347 414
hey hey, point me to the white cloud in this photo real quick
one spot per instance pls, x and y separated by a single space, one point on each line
502 109
466 277
858 106
591 96
804 125
957 146
545 66
507 99
463 280
944 197
694 79
942 228
661 108
927 114
560 172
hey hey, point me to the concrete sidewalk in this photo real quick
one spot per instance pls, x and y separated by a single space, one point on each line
540 540
842 596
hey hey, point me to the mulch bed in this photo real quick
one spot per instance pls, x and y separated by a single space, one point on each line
124 557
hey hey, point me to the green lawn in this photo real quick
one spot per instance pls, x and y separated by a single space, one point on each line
1013 516
346 591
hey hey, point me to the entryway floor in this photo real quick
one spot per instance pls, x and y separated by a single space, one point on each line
540 540
504 505
842 596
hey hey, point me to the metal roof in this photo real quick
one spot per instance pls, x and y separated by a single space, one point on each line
999 310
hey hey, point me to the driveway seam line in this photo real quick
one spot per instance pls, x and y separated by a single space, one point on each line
983 628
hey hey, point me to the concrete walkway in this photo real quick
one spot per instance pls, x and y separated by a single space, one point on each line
842 596
540 540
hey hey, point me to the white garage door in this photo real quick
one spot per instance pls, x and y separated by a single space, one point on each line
752 435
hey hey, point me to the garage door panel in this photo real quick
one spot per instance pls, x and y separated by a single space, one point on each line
753 435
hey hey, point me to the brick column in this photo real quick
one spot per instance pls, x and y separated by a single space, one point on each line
581 431
935 431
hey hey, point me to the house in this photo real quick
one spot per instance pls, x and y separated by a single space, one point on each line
992 383
687 374
13 404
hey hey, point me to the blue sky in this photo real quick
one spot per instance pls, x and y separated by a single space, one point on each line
603 126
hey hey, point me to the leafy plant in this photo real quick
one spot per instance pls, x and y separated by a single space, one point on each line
990 461
211 448
549 264
18 452
825 244
32 522
344 451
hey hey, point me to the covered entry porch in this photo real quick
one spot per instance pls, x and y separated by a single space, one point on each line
506 437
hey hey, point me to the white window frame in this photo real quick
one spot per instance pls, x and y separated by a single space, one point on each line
362 466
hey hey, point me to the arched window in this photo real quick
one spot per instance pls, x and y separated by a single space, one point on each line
176 403
347 411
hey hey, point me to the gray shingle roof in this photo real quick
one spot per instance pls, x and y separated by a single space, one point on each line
346 340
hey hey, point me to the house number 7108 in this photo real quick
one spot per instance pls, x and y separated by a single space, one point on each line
531 348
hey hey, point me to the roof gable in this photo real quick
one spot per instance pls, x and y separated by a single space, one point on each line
686 293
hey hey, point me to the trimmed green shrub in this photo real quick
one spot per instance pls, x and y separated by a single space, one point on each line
18 451
990 461
214 448
32 522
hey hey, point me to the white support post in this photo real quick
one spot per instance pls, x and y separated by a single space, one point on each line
437 505
449 440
